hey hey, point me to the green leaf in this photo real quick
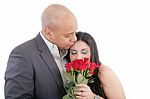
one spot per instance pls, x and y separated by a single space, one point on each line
68 76
80 77
84 81
88 75
66 96
70 93
90 80
70 84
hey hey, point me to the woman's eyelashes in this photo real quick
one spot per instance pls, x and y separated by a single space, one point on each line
73 52
83 51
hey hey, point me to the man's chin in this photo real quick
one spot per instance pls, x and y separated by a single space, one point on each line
67 48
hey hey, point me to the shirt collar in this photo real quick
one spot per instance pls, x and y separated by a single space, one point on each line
48 43
52 47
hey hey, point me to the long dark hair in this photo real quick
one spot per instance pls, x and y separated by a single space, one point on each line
96 87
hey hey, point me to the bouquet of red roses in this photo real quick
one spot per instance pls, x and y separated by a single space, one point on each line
79 71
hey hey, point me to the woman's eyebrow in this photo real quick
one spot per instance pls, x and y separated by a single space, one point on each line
84 48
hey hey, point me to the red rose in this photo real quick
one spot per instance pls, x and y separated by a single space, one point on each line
68 67
78 71
80 65
92 67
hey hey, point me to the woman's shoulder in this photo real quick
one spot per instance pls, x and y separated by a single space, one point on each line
103 68
110 82
106 73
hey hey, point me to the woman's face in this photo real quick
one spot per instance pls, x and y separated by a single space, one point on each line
79 50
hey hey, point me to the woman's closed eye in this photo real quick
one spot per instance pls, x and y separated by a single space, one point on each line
73 52
84 51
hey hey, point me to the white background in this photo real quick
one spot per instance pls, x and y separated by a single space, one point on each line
121 29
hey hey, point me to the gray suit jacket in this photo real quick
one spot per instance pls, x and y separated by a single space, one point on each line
32 73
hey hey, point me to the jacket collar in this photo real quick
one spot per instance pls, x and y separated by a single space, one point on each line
47 57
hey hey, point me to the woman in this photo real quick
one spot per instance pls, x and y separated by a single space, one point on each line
106 84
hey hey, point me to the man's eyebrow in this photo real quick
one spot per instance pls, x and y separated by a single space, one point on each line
70 33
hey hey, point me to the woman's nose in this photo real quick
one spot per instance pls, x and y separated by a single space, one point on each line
79 56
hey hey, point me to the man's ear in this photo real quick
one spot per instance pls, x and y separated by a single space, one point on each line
48 33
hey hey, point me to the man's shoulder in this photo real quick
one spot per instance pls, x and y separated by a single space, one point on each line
25 46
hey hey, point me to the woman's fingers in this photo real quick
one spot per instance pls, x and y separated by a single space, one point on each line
85 95
82 88
82 91
79 97
82 85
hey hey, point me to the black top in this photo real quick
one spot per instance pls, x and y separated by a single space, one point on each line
96 86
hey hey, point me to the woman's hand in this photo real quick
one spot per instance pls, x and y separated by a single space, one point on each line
83 91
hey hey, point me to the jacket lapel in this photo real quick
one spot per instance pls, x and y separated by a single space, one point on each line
50 62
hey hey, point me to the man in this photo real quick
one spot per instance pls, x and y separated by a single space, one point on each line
34 69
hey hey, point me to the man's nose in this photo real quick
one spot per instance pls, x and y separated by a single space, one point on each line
74 38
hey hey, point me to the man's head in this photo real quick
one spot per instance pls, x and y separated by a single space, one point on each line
59 26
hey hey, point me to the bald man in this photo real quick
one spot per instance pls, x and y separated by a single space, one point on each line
34 69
